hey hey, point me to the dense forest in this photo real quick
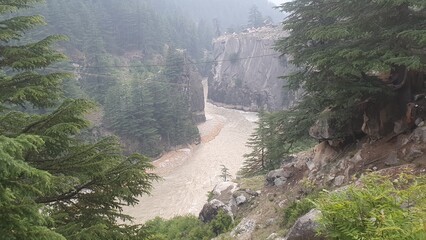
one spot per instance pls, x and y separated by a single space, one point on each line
347 68
48 186
59 180
124 45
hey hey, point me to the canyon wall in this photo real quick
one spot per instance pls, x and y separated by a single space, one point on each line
247 69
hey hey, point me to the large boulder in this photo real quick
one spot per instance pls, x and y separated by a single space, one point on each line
419 135
324 154
323 128
212 208
278 177
305 227
326 128
226 196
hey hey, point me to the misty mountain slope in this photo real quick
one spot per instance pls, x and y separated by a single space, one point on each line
229 13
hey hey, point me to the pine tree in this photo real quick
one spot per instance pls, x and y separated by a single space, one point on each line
163 109
140 116
20 84
184 129
224 173
255 17
340 47
53 183
256 161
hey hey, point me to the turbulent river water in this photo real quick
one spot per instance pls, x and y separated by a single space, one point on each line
189 173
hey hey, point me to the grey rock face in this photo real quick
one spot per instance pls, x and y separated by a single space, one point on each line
305 227
245 228
247 70
339 180
419 135
211 209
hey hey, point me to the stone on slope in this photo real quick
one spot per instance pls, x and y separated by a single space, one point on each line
305 227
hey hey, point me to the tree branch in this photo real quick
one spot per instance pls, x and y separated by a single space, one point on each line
64 196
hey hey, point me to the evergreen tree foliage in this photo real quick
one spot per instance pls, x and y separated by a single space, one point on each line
255 17
114 27
100 50
187 227
275 137
153 109
53 183
99 78
339 51
183 130
142 119
224 173
181 227
256 161
21 183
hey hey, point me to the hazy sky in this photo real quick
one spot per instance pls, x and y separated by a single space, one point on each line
278 1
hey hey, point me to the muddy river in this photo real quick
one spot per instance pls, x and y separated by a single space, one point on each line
189 173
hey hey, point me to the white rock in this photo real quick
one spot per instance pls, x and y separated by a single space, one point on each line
240 200
279 182
220 187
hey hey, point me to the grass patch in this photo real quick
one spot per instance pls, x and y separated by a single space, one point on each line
254 183
297 209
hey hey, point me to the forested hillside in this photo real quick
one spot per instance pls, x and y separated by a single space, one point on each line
120 51
90 88
118 27
55 183
118 47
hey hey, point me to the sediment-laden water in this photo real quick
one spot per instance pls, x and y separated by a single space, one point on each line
188 174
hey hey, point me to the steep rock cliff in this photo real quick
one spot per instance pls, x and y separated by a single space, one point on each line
247 70
191 79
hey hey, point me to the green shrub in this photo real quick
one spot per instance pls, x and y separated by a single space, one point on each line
297 209
187 228
210 196
178 228
221 223
380 208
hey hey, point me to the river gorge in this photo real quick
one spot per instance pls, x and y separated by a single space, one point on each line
188 174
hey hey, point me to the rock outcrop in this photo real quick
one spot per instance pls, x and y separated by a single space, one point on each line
228 197
305 227
193 80
278 177
247 70
244 229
